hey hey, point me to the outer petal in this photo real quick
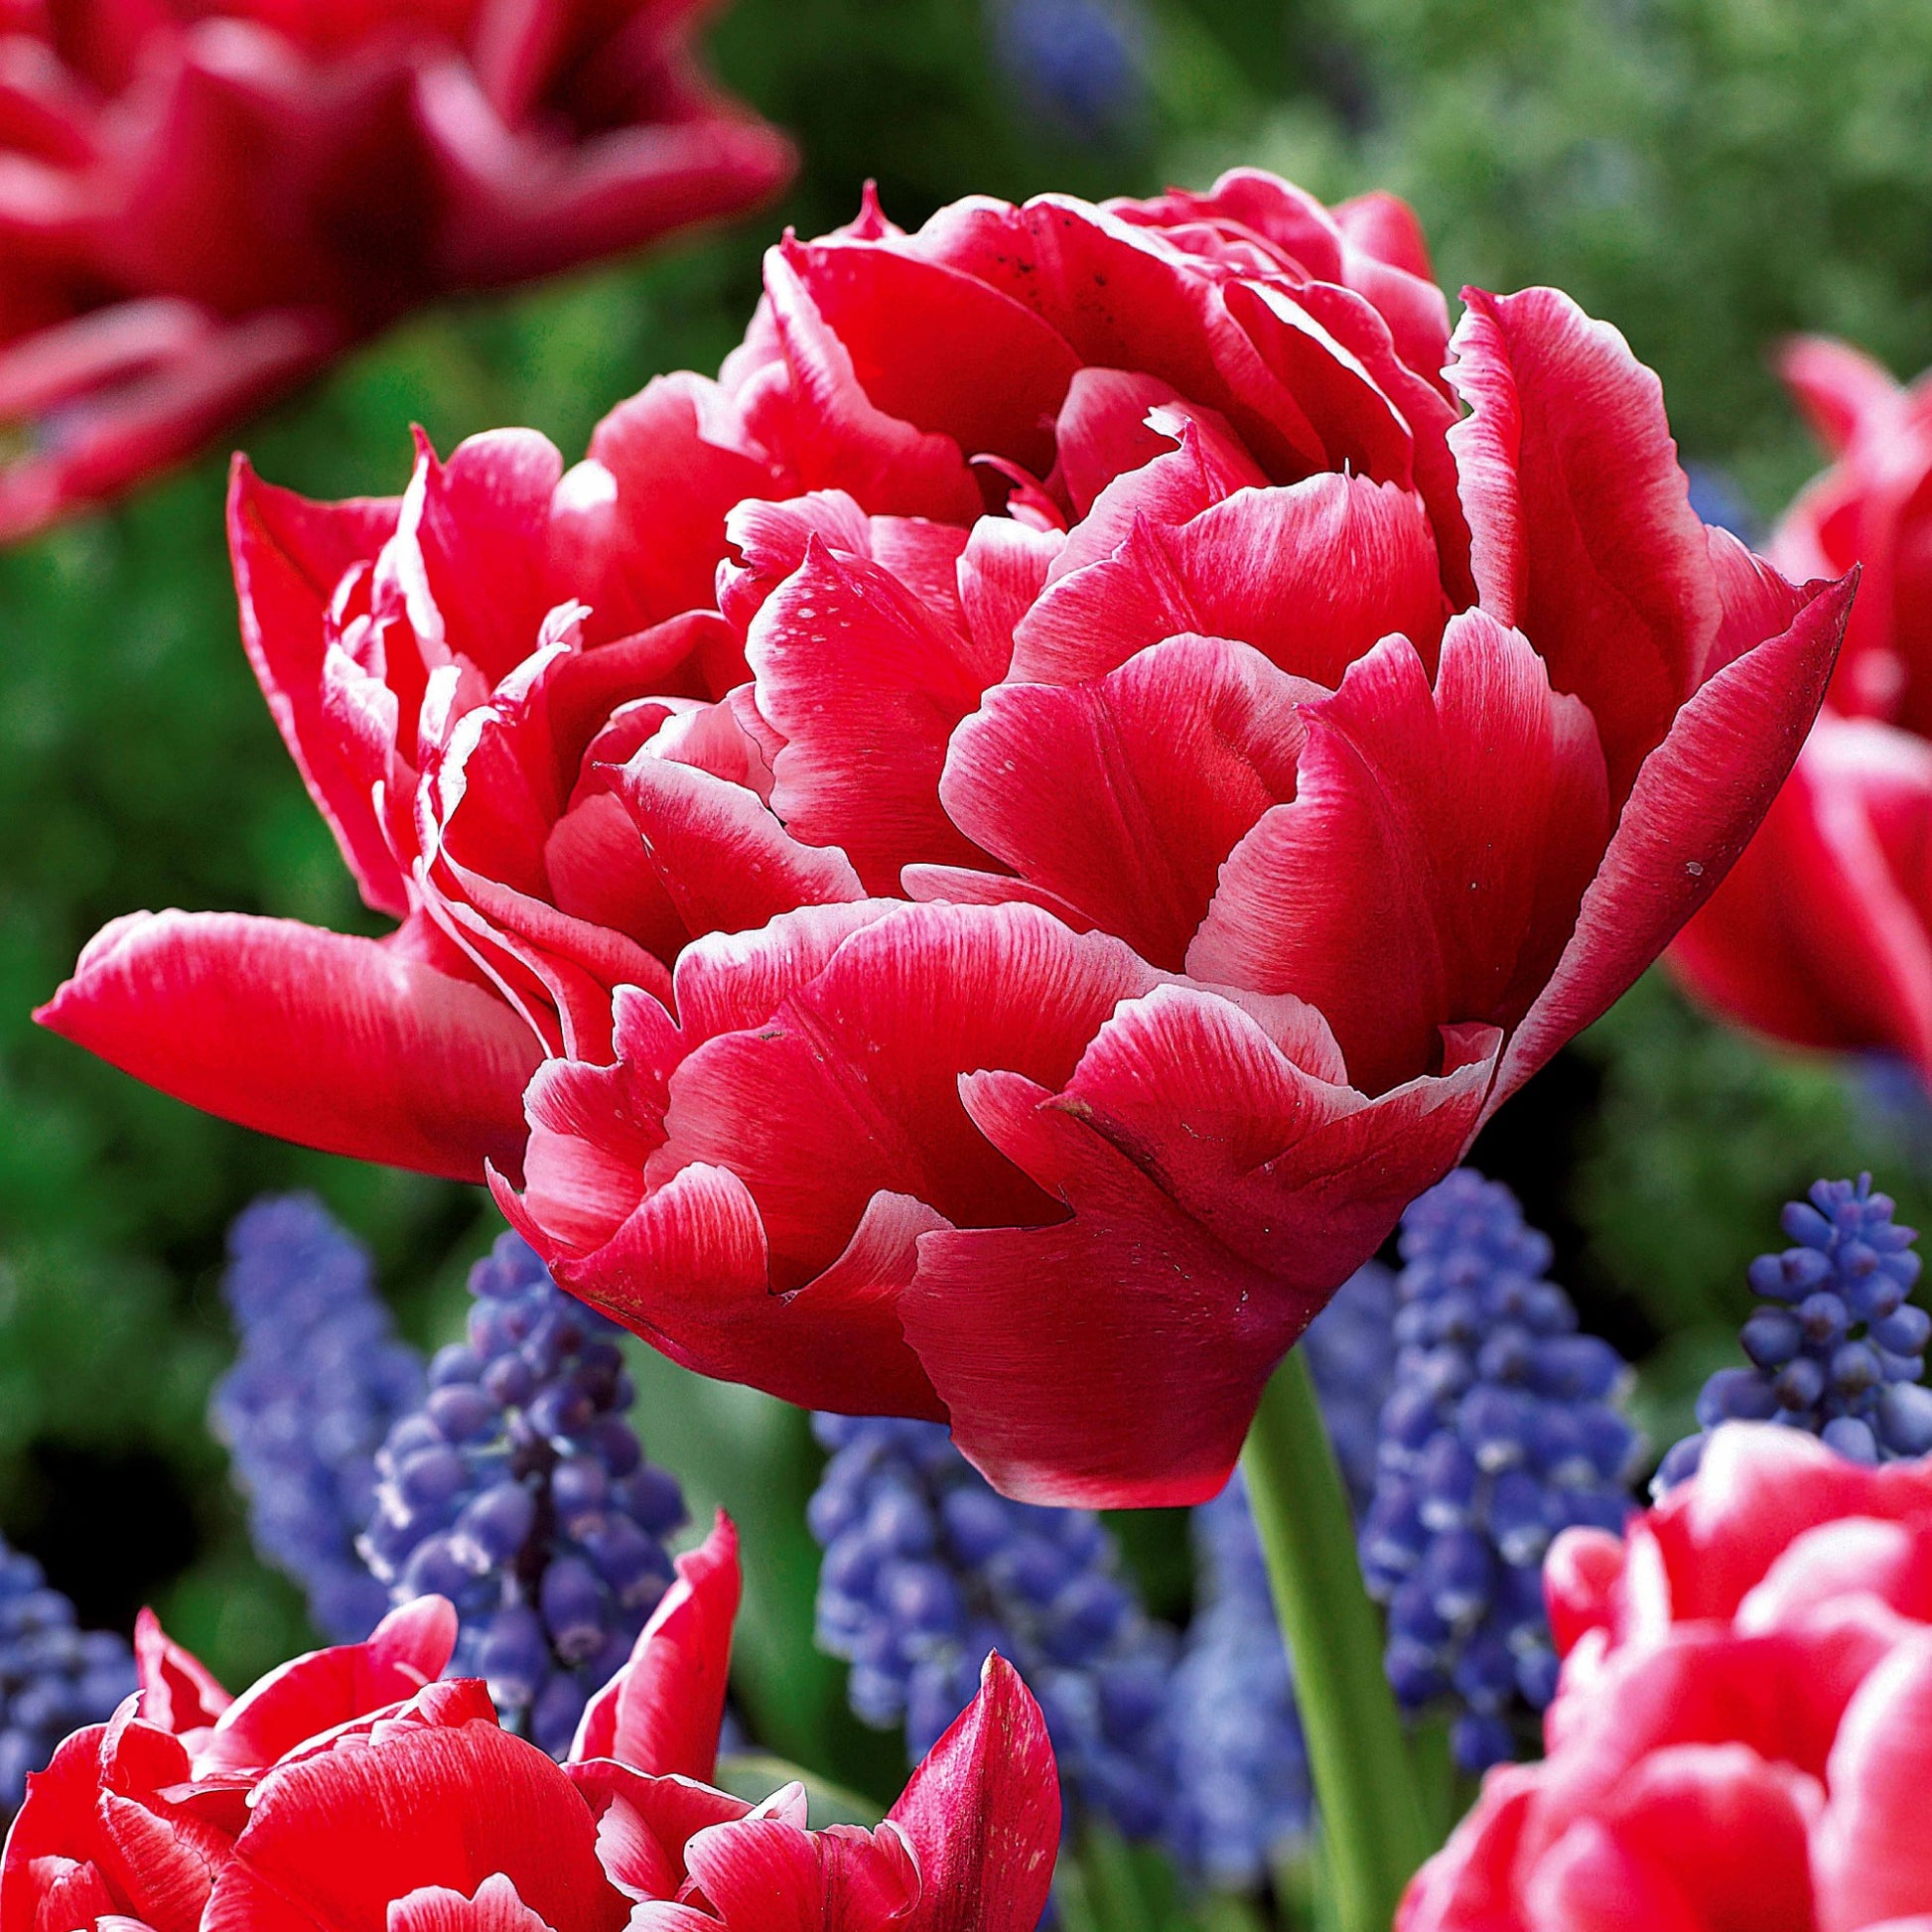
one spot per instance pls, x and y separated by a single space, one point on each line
1818 935
983 1813
1173 1180
1873 1853
289 556
1584 535
1727 1832
1695 803
1840 389
660 1713
1590 1881
178 1691
346 1044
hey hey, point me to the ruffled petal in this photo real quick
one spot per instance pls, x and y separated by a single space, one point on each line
1429 868
1872 1855
1310 576
864 687
1122 796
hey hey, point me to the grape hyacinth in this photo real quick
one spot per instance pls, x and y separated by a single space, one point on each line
320 1378
54 1676
927 1568
1837 1350
1499 1432
1241 1772
1081 66
521 1492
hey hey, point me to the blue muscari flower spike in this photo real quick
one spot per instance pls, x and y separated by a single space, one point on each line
1241 1772
54 1676
1499 1432
1081 65
1837 1349
521 1492
320 1378
927 1568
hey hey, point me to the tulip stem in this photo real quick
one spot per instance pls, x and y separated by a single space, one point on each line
1374 1824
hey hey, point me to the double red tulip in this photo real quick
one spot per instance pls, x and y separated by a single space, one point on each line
351 1792
1743 1738
203 199
1016 830
1822 936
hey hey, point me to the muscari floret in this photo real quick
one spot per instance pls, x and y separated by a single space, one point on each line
53 1676
1500 1430
519 1491
320 1378
1837 1350
927 1568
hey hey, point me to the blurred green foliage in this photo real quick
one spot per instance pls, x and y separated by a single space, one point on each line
1708 174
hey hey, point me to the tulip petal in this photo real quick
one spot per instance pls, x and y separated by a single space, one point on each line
1590 1881
1584 537
838 439
472 550
1126 299
725 861
1310 576
1815 935
864 721
318 1692
1146 1315
347 1831
1122 796
178 1691
983 1813
1727 1831
1837 388
1429 868
347 1045
1872 1855
436 1908
289 557
922 337
846 1088
637 531
1695 802
661 1712
777 1876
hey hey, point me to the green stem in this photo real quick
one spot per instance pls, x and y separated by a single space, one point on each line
1374 1824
